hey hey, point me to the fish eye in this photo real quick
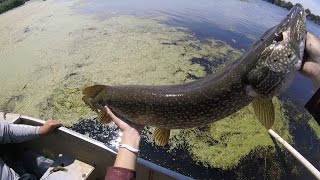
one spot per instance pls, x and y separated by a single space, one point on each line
278 37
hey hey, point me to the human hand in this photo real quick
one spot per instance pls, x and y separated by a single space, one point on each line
49 126
130 132
311 66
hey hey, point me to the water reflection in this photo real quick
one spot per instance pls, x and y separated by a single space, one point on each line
236 22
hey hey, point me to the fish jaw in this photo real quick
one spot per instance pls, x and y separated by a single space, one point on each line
285 52
281 57
295 33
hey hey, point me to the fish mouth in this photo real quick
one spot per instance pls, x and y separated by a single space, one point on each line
293 28
295 22
299 32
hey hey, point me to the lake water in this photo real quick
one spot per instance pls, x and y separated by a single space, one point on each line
236 22
239 23
50 50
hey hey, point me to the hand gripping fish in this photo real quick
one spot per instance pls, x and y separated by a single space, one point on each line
264 71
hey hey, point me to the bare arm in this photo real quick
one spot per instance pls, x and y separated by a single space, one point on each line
125 163
131 136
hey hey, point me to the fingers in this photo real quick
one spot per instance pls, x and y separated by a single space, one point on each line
115 119
54 123
49 126
124 125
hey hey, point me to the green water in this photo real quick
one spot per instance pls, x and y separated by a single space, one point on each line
49 54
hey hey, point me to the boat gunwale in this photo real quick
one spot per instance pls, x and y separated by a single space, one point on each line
21 119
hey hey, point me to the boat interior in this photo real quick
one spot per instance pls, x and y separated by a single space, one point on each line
67 154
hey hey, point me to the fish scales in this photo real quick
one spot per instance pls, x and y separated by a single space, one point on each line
264 71
179 106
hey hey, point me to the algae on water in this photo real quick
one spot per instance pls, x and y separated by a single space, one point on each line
63 54
59 62
231 139
315 127
64 104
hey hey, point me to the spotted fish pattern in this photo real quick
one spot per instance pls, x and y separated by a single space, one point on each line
264 71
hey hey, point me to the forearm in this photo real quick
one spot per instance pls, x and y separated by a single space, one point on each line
126 158
15 133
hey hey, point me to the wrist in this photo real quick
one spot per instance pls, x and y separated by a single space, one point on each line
40 130
131 139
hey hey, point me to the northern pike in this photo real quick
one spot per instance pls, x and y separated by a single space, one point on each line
264 71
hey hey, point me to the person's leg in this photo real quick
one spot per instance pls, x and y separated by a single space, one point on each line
6 172
28 176
35 163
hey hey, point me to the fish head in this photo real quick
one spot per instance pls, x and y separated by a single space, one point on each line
280 57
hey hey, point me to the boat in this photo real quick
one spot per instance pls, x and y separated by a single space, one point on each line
76 156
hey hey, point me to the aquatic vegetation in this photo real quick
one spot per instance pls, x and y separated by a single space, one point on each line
10 104
302 116
64 104
87 51
63 52
231 139
130 50
315 127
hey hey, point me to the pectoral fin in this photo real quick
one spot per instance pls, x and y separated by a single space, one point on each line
264 111
161 136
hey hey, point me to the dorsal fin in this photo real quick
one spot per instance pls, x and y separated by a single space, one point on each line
92 91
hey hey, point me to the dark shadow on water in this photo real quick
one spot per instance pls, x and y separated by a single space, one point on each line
281 154
307 145
305 140
179 160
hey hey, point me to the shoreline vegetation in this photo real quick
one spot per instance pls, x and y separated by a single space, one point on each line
6 5
288 5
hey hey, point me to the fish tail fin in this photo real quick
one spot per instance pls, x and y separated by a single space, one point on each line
91 92
264 110
161 136
86 100
104 118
